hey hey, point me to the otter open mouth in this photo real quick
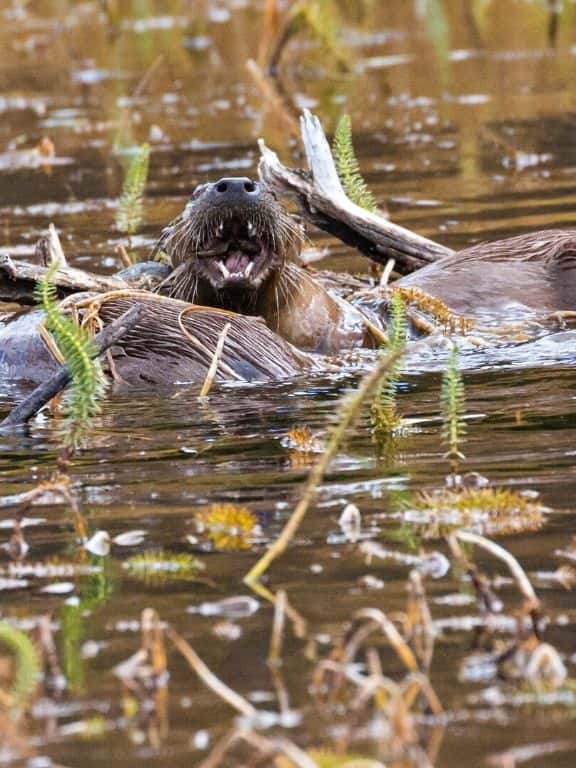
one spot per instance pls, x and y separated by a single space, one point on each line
236 253
230 240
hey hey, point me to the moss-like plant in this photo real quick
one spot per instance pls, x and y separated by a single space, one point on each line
384 411
157 566
435 308
453 400
228 526
77 349
27 664
129 215
492 511
348 167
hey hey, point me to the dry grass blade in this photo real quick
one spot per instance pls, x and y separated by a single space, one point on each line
211 375
506 557
277 639
378 620
348 411
209 679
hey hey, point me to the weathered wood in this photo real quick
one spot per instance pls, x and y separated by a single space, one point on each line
18 280
24 411
324 202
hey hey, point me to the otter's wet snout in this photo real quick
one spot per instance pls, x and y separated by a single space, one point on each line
234 191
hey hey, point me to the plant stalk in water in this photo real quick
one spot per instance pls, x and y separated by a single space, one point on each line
453 399
384 411
129 215
346 416
76 347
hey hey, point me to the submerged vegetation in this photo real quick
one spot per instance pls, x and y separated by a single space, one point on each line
384 409
453 401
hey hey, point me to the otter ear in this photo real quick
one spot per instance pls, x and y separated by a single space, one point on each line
200 189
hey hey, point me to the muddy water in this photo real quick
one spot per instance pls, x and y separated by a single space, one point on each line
463 113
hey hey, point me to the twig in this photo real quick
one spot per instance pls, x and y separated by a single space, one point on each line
323 201
514 566
209 678
348 412
45 392
378 620
49 249
277 639
211 375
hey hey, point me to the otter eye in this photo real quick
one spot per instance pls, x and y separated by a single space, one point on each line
198 191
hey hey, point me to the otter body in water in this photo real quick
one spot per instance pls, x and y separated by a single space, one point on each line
234 249
172 343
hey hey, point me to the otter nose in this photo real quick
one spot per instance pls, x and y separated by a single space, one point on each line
234 189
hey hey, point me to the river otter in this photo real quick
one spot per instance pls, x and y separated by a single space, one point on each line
235 246
172 343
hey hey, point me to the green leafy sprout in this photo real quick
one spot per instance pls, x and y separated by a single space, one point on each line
348 167
77 349
129 215
27 663
384 411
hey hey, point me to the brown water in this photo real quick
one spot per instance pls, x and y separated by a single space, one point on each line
464 123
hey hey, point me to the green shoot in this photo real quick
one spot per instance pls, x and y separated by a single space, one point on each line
129 215
453 400
27 663
158 566
348 167
384 410
76 347
318 18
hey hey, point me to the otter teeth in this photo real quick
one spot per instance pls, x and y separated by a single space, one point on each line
223 269
248 269
220 228
250 227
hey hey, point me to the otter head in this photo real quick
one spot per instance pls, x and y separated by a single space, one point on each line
232 238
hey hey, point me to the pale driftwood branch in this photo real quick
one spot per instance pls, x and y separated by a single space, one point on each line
325 204
18 280
49 249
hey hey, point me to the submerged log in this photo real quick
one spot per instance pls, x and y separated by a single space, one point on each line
324 202
18 281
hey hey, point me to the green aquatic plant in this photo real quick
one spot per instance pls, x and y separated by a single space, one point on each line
77 350
453 402
348 167
28 671
129 215
316 18
157 566
384 410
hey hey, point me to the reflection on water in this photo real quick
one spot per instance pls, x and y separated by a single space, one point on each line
463 121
